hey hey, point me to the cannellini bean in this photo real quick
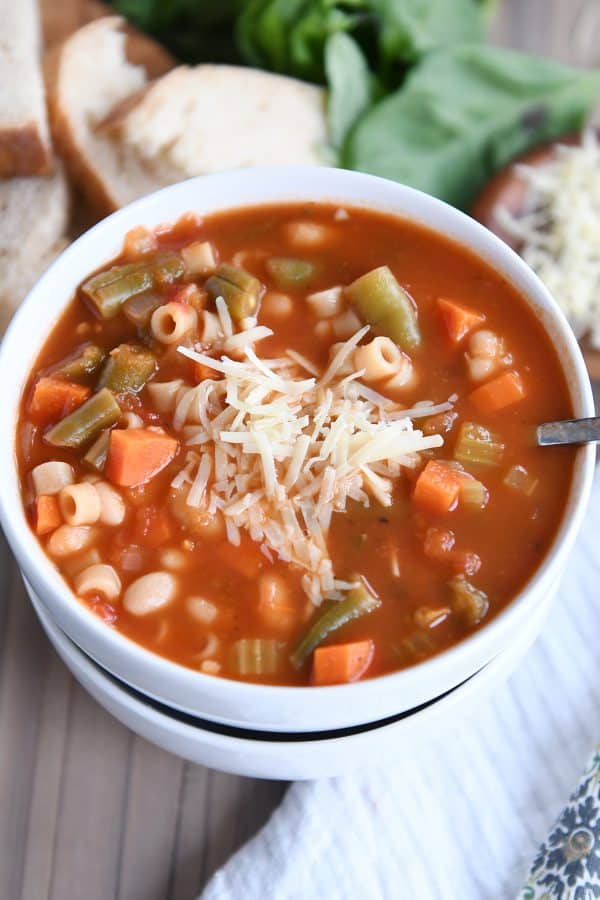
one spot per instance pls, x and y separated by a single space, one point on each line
323 330
51 477
202 610
172 321
80 562
112 507
326 303
380 358
80 504
307 234
174 559
69 539
480 367
163 394
149 593
200 258
275 604
346 324
484 343
98 579
210 648
138 241
277 306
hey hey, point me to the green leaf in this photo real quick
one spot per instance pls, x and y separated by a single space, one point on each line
463 113
352 86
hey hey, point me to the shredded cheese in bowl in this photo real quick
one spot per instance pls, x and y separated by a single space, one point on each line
277 452
559 231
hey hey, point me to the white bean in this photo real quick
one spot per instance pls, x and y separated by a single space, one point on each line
277 306
51 477
79 504
112 507
69 539
484 343
346 324
202 610
174 559
98 579
149 593
307 235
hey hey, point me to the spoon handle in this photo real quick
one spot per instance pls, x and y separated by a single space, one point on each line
570 431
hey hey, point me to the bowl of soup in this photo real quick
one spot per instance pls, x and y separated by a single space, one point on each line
269 446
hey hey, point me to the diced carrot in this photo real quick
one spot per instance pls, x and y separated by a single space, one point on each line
341 663
500 392
246 559
136 455
437 487
152 527
47 514
53 399
459 320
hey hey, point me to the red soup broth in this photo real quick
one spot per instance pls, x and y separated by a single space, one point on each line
460 536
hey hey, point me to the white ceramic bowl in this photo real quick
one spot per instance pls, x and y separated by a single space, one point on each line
230 702
275 756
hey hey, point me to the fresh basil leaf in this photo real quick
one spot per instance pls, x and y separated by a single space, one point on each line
463 113
352 86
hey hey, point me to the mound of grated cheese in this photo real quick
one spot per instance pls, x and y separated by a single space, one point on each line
559 231
278 452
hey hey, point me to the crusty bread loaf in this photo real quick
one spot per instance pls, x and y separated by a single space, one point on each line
122 141
24 138
33 221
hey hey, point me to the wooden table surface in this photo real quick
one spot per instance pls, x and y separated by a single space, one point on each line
90 811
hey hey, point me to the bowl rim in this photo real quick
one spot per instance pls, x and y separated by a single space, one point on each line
40 570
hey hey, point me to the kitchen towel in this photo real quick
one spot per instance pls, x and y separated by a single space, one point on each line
468 815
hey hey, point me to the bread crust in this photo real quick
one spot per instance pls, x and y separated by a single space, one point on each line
23 151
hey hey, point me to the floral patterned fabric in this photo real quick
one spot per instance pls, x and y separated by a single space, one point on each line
567 865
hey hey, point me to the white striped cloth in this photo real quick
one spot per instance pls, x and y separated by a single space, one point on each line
463 818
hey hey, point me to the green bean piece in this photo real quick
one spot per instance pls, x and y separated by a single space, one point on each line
288 272
127 369
477 445
468 601
383 303
240 290
139 309
358 602
82 426
256 656
97 455
82 366
109 290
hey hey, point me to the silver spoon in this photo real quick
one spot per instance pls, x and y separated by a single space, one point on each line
569 431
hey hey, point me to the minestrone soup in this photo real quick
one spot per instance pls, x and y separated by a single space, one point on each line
294 444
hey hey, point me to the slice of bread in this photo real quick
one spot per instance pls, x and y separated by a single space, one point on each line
86 76
123 137
33 221
24 137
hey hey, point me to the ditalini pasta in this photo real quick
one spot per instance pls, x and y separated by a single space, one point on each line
294 446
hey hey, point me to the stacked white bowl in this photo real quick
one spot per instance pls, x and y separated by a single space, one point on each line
282 732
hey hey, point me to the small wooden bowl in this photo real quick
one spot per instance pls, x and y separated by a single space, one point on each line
507 189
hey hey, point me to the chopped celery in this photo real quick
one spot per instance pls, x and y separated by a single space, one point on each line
287 271
383 303
468 601
127 369
256 656
475 444
96 456
80 427
240 290
109 290
139 309
81 366
473 493
519 479
358 602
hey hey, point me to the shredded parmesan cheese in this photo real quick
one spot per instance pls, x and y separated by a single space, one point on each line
279 453
559 232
